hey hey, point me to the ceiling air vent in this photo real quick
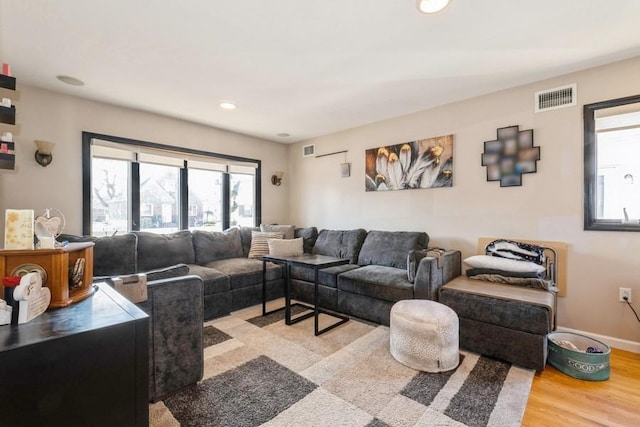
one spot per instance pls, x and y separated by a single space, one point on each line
559 97
308 150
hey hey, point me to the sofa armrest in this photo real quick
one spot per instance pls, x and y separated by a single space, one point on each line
175 309
434 272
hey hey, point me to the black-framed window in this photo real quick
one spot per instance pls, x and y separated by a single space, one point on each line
611 167
132 185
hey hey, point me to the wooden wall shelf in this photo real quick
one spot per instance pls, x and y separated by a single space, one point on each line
14 129
57 263
7 82
14 95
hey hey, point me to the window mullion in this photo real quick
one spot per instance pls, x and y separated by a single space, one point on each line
226 201
87 185
184 197
135 196
258 196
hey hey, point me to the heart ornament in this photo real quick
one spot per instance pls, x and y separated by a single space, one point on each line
50 225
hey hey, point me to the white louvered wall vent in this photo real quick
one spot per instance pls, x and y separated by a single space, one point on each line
559 97
308 150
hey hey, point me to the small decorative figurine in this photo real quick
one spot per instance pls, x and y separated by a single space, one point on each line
5 312
33 298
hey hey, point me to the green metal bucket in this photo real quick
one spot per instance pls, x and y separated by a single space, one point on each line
579 364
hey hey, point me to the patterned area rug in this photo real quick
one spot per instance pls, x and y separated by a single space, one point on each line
258 371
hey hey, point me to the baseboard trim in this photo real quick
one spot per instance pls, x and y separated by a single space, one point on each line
618 343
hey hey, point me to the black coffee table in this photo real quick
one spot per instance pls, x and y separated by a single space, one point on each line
311 261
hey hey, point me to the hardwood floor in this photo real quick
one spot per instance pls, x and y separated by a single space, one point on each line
559 400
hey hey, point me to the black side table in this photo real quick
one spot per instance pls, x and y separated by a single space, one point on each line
314 262
82 365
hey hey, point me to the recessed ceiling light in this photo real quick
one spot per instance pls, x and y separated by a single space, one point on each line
70 80
432 6
228 105
283 135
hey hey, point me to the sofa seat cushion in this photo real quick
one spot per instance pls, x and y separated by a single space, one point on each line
326 276
391 248
163 250
527 313
245 272
214 281
377 281
340 243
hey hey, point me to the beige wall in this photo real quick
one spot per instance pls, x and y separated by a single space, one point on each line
54 117
548 206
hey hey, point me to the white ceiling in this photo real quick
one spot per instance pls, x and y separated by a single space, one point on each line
305 67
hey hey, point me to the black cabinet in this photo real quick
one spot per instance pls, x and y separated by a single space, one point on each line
82 365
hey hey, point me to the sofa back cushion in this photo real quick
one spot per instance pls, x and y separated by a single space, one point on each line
112 255
309 236
391 248
217 245
245 239
164 250
340 243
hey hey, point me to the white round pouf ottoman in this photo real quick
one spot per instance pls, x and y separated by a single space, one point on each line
424 335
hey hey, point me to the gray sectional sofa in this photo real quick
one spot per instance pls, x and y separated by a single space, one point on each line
385 267
197 276
208 275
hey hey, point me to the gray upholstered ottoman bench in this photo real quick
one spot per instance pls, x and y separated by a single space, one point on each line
424 335
507 322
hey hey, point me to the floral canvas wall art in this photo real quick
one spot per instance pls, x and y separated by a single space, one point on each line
426 163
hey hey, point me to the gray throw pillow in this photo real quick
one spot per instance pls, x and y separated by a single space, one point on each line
288 231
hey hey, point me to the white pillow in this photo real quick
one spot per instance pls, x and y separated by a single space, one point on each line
260 243
497 263
285 247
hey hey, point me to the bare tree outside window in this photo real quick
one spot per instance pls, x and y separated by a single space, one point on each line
110 207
